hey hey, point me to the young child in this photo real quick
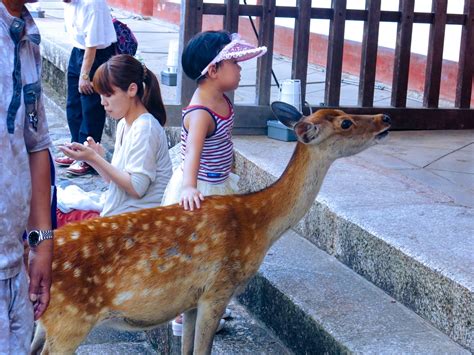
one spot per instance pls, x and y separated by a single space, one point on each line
211 59
141 166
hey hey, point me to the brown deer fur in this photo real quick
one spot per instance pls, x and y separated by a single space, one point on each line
143 268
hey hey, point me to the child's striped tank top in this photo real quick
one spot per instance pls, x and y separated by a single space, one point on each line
217 152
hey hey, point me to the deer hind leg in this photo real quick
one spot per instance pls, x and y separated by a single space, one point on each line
208 317
189 326
65 335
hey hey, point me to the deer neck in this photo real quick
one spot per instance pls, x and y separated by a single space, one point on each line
286 201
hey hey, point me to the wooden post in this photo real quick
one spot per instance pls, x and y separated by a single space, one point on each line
191 23
402 54
434 60
368 61
231 24
264 63
332 91
299 65
466 59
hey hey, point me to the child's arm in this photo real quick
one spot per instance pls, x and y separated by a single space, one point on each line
199 125
103 167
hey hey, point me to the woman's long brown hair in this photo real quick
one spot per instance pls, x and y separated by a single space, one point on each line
122 70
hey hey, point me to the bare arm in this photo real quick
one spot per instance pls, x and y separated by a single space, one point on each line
103 167
199 124
40 218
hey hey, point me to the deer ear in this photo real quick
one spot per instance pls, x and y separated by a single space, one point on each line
286 114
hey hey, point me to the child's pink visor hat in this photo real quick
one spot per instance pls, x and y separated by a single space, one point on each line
238 50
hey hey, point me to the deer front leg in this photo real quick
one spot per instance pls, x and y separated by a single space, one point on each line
208 317
189 326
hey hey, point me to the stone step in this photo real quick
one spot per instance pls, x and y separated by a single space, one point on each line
396 232
317 305
242 334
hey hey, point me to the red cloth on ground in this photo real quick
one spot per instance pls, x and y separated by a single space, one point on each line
74 216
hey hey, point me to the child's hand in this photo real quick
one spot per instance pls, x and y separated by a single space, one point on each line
78 151
190 196
97 147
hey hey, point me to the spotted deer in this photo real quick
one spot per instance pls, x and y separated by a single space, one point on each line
137 270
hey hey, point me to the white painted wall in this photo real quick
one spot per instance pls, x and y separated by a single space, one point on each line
387 31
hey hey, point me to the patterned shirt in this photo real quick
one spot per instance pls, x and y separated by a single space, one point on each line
23 130
217 152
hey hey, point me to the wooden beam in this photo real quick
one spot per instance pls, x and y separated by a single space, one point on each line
402 54
231 24
191 23
299 64
434 60
368 61
466 59
332 90
264 63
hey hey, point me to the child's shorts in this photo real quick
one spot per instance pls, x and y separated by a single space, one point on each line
16 315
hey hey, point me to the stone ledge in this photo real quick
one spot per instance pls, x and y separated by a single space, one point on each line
317 305
390 229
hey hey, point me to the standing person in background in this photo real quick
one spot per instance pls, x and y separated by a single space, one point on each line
25 180
90 28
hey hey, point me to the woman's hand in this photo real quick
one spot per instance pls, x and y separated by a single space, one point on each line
97 147
78 151
190 196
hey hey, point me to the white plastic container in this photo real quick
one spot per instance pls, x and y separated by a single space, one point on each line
290 92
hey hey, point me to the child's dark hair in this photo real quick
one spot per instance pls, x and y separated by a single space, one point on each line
201 50
122 70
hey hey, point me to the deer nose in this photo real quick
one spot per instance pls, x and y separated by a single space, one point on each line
386 119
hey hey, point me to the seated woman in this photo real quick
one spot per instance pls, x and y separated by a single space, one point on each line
141 166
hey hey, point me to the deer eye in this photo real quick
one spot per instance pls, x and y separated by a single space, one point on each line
346 124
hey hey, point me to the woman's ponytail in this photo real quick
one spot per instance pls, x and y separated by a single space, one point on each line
152 96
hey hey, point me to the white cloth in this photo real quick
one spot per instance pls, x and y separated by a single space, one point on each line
142 151
89 24
173 190
72 197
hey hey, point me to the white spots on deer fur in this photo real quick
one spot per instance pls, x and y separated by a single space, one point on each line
247 251
54 265
171 218
85 251
153 239
179 231
154 254
67 265
71 309
203 223
186 258
105 225
109 284
255 211
59 296
85 291
193 237
91 227
158 223
146 292
123 297
114 226
235 253
88 317
220 207
110 242
96 280
77 272
144 265
129 243
134 220
183 219
60 241
200 248
75 235
146 226
165 267
106 269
